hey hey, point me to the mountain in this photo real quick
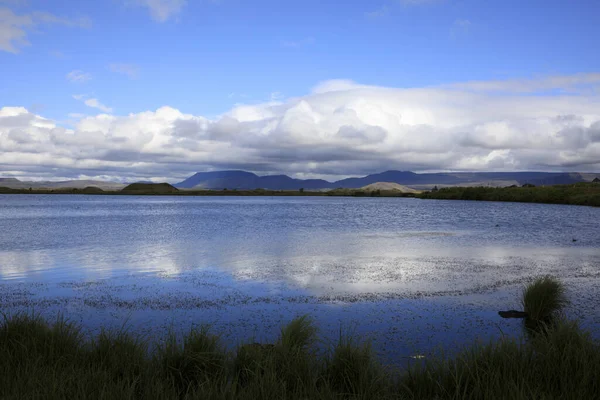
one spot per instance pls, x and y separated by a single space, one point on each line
248 180
400 177
14 183
218 180
9 181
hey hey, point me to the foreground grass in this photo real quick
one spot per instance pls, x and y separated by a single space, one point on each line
54 360
585 194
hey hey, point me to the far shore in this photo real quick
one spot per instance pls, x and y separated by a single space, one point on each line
227 192
582 194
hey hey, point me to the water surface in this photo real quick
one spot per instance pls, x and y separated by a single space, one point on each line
412 274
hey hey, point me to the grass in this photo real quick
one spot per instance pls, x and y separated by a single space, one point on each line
55 360
544 298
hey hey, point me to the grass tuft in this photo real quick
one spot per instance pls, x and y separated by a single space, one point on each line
544 298
198 361
120 354
300 333
351 369
30 336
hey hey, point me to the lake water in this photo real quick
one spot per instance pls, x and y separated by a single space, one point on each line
414 275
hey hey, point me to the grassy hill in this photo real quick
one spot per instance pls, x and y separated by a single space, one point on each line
150 188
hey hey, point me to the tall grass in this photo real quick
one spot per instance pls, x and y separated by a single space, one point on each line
544 298
562 363
351 369
54 360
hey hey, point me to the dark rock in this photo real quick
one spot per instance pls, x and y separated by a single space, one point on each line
512 314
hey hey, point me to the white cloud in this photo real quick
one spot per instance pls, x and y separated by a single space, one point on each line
48 18
57 54
14 28
381 12
78 76
564 83
132 71
419 2
162 10
276 96
298 43
460 27
92 102
14 2
13 32
340 128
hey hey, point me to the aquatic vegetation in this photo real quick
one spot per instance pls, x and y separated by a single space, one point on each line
55 360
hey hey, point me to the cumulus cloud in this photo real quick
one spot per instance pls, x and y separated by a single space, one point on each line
162 10
132 71
14 28
78 76
339 128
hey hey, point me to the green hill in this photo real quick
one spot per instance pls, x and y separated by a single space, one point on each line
150 188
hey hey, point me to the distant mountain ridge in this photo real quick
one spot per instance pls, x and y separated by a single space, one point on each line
14 183
244 180
247 180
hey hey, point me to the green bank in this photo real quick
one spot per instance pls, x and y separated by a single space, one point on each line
583 194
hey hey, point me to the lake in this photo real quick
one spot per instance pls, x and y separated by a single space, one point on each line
414 275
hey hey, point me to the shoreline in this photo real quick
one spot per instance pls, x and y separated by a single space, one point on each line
241 193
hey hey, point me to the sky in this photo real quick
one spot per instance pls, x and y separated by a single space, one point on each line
160 89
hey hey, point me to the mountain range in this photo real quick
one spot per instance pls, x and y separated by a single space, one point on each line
249 181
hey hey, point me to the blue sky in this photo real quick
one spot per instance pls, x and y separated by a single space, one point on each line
211 55
205 58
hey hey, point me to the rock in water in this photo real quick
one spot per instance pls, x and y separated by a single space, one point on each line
512 314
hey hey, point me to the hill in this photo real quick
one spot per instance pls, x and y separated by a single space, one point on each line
150 188
388 186
249 181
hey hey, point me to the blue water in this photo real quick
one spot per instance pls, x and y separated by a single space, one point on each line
414 275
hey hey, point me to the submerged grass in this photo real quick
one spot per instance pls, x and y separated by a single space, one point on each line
54 360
